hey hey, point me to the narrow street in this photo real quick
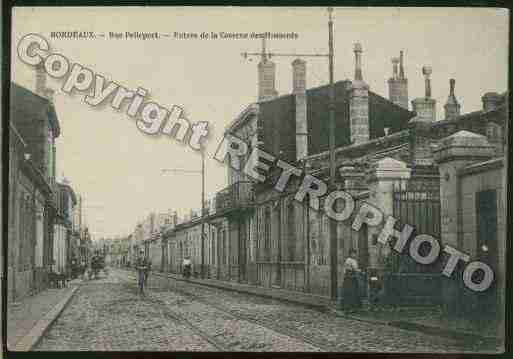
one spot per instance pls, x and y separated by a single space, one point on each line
108 314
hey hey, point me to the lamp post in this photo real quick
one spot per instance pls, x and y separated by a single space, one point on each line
307 167
331 124
202 217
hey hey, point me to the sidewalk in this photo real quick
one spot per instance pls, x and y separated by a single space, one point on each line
431 321
28 319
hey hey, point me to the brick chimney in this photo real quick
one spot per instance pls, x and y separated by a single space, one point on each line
425 107
266 76
398 84
40 86
491 101
299 91
452 107
359 102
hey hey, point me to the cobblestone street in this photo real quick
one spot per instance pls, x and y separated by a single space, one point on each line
108 314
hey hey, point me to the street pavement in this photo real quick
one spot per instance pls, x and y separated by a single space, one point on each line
109 314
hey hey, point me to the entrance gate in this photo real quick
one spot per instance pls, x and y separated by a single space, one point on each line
416 202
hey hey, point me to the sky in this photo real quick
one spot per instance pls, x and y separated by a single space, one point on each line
118 170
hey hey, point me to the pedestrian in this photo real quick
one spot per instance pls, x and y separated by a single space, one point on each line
147 272
187 267
141 267
350 288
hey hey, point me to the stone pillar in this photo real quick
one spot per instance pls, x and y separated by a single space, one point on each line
359 103
425 107
420 142
381 178
299 91
454 153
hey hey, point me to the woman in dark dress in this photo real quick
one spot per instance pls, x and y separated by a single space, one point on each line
350 288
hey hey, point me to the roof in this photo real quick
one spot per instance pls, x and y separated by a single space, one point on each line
496 115
277 120
25 103
494 163
17 134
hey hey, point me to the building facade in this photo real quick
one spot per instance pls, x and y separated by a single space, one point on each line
63 229
444 177
33 129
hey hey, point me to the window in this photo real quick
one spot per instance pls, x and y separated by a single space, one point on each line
223 233
291 231
322 254
213 246
267 233
21 230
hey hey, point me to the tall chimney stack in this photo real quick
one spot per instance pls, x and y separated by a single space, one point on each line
398 83
40 86
401 65
359 102
425 107
266 76
40 80
299 91
358 61
452 107
491 100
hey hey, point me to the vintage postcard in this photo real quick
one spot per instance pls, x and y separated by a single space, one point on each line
257 179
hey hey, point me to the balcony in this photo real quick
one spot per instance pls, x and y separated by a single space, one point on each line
237 196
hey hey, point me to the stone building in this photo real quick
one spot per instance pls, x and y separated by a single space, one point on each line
473 190
184 239
385 155
33 128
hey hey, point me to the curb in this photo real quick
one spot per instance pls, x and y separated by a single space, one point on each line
35 334
443 332
427 329
319 307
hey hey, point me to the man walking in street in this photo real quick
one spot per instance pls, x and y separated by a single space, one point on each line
147 271
141 266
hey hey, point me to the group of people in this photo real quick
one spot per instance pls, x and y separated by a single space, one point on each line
351 289
351 298
355 285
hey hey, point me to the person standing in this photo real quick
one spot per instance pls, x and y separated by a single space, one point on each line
350 288
187 267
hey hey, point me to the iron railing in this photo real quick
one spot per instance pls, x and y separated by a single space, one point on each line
237 195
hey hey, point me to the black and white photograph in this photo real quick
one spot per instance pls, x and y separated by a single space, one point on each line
256 179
